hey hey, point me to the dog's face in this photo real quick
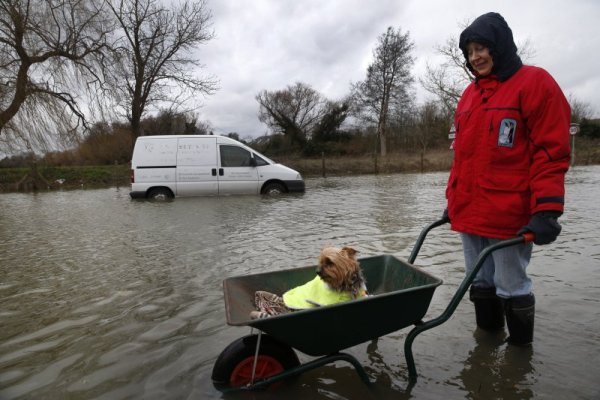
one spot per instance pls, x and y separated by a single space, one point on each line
339 268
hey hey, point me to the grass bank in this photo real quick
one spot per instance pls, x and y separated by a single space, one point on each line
64 177
434 160
74 177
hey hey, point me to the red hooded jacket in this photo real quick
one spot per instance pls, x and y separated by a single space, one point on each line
511 153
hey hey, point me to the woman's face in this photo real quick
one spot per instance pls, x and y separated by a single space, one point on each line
480 58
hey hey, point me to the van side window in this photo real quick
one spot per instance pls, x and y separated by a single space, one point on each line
234 156
260 161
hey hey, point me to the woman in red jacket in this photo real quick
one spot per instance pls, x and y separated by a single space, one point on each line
511 155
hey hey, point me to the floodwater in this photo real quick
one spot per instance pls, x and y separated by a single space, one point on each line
102 297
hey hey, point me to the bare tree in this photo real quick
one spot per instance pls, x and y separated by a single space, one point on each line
386 87
580 110
430 120
448 80
293 111
156 64
328 128
49 51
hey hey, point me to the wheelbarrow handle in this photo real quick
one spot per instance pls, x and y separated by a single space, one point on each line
421 238
460 292
528 237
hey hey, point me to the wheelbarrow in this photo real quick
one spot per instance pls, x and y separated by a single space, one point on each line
399 296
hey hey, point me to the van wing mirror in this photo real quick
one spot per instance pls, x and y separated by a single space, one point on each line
252 162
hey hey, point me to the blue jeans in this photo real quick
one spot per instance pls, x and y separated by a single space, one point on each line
503 268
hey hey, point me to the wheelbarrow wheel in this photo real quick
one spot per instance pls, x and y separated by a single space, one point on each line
233 368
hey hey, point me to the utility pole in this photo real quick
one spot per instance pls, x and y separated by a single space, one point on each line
573 130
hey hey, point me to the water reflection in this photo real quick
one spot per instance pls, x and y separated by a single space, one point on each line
494 367
385 375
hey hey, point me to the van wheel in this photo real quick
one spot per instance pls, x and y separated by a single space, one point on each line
274 189
160 194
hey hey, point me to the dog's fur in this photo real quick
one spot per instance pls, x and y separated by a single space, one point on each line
340 269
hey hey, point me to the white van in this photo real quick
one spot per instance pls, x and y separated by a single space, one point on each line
205 165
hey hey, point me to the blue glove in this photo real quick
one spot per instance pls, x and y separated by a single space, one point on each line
544 225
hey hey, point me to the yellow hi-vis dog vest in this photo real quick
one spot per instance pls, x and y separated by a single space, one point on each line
315 293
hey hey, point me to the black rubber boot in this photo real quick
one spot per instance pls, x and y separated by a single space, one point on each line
520 313
489 310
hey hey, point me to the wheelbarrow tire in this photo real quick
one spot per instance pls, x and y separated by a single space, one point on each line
233 367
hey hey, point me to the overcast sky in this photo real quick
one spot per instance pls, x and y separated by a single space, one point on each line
327 44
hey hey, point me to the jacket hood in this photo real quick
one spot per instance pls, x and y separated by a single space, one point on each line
492 31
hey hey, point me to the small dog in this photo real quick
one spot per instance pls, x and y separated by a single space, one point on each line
339 278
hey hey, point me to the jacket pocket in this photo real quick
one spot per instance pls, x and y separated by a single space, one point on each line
505 181
505 195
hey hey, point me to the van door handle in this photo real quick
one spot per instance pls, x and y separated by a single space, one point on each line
214 172
221 172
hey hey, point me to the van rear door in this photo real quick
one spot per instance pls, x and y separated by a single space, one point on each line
197 166
238 175
154 163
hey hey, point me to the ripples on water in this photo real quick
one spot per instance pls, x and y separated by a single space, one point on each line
104 297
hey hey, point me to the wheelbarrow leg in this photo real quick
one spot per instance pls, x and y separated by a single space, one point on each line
462 289
319 362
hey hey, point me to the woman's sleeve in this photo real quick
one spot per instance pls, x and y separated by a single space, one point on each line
547 114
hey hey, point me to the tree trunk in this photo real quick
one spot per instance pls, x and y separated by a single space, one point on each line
19 96
136 118
375 163
381 133
382 142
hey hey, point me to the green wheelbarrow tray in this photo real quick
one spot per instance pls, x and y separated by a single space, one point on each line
399 296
